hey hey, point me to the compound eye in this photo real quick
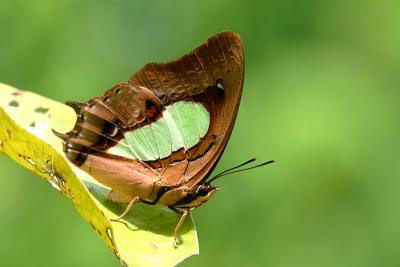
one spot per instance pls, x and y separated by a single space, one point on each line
203 192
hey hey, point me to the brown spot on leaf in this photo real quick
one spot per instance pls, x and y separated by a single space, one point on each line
16 93
41 110
14 104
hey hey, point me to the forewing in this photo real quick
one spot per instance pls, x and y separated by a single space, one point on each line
211 75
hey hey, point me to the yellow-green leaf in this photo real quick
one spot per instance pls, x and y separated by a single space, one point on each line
143 238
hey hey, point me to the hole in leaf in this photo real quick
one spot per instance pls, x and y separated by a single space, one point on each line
55 180
41 110
54 184
13 104
28 159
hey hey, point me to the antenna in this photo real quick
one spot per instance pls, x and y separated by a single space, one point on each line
233 170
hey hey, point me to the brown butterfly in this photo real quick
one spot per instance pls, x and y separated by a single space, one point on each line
157 138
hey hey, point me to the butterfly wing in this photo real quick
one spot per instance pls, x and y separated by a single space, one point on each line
211 75
167 126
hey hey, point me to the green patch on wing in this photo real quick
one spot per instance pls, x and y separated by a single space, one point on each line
182 125
144 238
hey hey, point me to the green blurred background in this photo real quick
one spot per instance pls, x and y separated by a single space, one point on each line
320 97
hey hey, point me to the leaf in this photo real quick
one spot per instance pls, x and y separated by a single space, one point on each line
144 238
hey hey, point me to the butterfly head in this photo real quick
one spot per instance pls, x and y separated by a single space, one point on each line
198 196
203 193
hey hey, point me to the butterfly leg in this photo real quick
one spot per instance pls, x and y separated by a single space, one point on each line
184 214
128 208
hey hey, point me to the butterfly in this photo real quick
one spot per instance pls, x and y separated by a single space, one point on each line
157 138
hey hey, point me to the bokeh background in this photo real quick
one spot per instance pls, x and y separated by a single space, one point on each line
321 97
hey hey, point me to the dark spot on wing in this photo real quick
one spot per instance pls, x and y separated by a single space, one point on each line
151 109
220 89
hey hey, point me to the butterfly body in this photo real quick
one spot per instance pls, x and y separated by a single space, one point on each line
157 137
